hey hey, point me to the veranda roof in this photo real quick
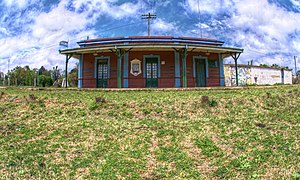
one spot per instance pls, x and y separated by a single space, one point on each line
151 43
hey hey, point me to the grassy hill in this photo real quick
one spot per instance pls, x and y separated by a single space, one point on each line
238 133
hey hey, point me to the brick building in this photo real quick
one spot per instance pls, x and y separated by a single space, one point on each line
150 61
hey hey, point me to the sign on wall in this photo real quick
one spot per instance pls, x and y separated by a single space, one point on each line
135 67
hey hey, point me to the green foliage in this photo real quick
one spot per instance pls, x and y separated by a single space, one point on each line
24 76
45 81
73 77
264 65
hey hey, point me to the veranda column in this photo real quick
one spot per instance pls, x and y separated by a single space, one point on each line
236 56
68 57
184 79
119 73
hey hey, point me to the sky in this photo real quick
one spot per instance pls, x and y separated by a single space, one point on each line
30 30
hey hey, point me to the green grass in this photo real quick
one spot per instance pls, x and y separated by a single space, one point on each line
240 134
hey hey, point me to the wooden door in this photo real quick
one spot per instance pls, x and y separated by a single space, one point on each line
102 73
200 72
151 72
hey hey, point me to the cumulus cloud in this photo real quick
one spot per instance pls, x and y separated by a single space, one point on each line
18 3
29 33
36 42
264 29
162 27
267 31
208 6
265 18
97 8
296 2
56 23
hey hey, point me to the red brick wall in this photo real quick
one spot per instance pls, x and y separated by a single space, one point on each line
88 80
112 81
167 70
213 73
167 78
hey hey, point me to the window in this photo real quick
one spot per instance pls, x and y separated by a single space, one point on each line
212 63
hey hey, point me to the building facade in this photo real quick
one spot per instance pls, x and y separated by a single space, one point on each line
259 75
150 62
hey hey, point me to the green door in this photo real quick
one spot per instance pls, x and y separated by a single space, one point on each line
102 73
151 72
200 73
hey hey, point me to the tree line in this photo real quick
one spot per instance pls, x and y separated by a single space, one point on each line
42 77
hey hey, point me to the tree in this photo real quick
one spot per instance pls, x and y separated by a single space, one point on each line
264 65
45 81
1 78
17 76
275 66
73 77
55 73
28 78
42 70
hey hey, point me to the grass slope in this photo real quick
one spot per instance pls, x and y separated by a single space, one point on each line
244 133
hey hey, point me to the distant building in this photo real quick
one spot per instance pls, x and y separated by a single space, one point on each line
150 61
259 75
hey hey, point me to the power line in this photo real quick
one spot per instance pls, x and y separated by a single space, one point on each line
121 26
257 51
152 5
54 45
125 25
200 19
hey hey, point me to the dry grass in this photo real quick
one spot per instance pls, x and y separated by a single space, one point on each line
237 133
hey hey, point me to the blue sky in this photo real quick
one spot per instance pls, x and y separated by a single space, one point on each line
30 30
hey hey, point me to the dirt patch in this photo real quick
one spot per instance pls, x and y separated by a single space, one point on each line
152 163
10 128
1 95
203 165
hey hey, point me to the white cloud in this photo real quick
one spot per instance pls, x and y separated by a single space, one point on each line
258 26
264 18
264 31
160 26
19 3
261 28
107 7
38 44
296 2
208 6
58 22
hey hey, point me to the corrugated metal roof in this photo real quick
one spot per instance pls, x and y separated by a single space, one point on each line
149 39
152 43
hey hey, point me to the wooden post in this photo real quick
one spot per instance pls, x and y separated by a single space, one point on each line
68 57
120 53
184 79
119 80
66 71
236 56
236 72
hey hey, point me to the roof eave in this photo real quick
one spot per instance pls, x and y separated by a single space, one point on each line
226 51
